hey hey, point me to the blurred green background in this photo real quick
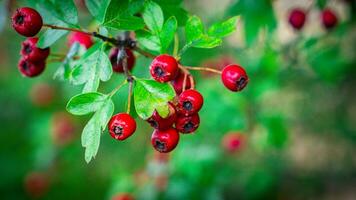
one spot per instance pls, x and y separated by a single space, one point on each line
297 117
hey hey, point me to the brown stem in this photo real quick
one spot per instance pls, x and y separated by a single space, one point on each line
129 98
185 71
184 81
204 69
144 53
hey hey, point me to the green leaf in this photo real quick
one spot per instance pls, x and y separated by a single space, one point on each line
148 41
50 37
67 11
58 11
85 103
167 33
223 29
118 16
206 42
321 3
150 95
174 10
97 8
93 67
63 72
92 131
153 17
194 29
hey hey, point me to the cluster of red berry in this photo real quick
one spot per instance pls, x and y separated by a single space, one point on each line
28 22
183 114
298 16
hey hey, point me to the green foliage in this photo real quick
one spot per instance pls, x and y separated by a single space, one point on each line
97 8
150 95
63 71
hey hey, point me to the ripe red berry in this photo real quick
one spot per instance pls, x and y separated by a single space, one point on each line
164 68
27 21
123 196
190 102
297 18
232 142
121 126
187 124
82 38
118 67
234 77
31 69
177 83
36 184
32 53
157 122
329 18
165 141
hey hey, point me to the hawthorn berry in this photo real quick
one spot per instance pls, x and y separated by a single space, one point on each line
297 18
123 196
232 142
190 102
121 126
118 67
164 68
32 53
234 77
157 122
31 69
165 141
80 37
177 83
329 18
187 124
27 21
36 184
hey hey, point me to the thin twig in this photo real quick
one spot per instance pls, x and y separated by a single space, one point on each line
203 69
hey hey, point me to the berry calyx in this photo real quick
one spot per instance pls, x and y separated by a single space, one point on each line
157 122
164 68
166 140
31 69
329 18
177 83
187 124
118 67
123 196
297 18
82 38
232 142
121 126
234 77
27 21
190 102
32 53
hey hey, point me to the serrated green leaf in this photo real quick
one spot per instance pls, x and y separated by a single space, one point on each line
148 41
153 17
67 11
93 67
167 33
63 72
206 42
92 131
58 11
150 95
174 10
194 29
97 8
85 103
223 29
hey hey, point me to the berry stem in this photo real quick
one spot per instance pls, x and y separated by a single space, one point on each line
185 71
143 52
129 98
204 69
184 82
176 45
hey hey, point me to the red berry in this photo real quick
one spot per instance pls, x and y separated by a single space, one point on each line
118 67
329 18
164 68
232 142
62 128
297 18
36 184
32 53
165 141
27 21
123 196
121 126
31 69
178 82
187 124
42 94
190 102
82 38
157 122
234 77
